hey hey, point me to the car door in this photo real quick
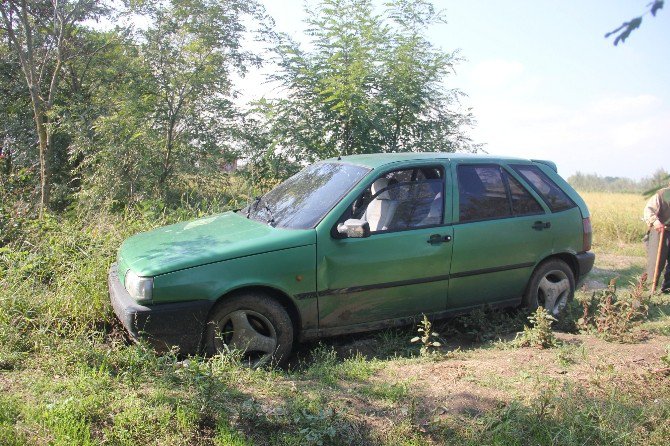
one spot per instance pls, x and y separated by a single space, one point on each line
501 231
401 269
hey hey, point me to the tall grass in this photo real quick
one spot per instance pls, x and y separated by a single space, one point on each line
67 376
616 219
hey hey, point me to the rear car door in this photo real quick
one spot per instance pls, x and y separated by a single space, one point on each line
566 217
501 230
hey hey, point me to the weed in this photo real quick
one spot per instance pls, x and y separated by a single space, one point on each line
485 324
325 366
567 320
539 334
614 318
9 411
357 368
666 358
392 343
567 354
427 337
393 392
318 427
67 425
225 436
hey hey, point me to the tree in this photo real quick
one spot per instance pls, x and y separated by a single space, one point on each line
418 107
191 48
169 108
628 27
656 182
42 34
17 130
369 82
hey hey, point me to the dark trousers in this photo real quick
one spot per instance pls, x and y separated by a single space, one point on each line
652 252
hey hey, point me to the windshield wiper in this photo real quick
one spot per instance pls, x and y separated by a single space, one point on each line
271 220
253 205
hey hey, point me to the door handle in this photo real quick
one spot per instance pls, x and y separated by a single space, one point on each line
539 225
437 238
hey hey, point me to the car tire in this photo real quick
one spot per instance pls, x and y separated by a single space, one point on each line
552 284
253 324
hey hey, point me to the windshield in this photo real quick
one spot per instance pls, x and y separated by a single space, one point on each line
304 199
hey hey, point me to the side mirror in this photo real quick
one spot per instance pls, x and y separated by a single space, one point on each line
354 228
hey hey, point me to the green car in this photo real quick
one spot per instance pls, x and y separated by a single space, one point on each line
354 244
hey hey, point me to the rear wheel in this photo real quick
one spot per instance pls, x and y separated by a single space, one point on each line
551 286
253 324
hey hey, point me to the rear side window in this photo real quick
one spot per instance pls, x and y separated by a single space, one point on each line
523 202
556 199
482 193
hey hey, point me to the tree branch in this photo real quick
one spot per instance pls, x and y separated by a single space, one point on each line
628 27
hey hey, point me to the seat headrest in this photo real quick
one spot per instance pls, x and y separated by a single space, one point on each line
378 185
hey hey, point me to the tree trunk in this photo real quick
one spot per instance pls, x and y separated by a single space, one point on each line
169 147
6 153
167 160
44 145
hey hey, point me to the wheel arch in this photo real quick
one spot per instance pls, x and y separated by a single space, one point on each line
281 297
566 257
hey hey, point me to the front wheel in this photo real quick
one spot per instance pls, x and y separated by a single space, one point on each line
253 324
551 286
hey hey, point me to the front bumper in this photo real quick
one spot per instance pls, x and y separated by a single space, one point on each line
584 264
166 325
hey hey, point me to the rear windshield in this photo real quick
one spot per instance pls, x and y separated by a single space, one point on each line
556 199
304 199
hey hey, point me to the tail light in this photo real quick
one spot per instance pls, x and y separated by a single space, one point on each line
588 234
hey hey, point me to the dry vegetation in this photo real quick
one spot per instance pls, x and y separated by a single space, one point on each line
67 375
617 222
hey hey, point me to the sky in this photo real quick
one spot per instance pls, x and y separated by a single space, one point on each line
544 83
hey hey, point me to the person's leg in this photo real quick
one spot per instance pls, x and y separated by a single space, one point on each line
666 277
652 253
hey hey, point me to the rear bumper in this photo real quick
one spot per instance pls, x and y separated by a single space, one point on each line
165 326
584 264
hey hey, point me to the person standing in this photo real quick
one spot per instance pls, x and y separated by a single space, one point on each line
657 216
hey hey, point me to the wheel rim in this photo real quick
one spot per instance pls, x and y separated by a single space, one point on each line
553 291
249 332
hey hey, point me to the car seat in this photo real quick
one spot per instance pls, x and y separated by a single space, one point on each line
381 209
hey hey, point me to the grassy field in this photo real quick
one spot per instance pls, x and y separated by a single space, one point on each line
68 376
617 222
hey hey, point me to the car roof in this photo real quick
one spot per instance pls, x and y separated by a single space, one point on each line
375 160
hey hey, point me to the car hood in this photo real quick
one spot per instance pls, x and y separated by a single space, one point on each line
205 240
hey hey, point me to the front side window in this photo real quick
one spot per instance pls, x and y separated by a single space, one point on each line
556 199
403 199
482 193
304 199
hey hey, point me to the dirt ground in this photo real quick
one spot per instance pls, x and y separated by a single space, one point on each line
474 380
478 382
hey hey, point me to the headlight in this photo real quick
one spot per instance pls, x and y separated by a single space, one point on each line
139 288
